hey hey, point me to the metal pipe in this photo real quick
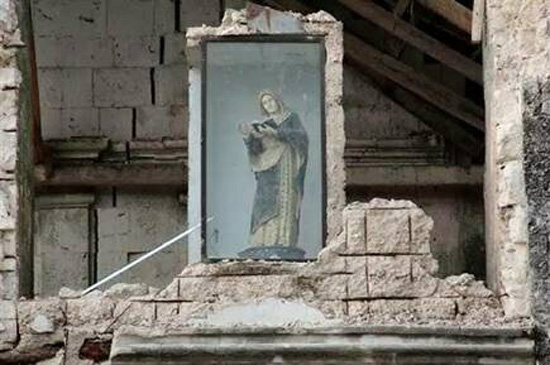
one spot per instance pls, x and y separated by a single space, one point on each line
144 257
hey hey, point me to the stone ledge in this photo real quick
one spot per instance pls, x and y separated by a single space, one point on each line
506 346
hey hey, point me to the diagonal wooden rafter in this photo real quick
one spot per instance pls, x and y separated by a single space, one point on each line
416 38
405 76
440 100
454 12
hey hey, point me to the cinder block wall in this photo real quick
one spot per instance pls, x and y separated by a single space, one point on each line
115 68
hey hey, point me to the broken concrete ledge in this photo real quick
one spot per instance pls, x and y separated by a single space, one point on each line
402 343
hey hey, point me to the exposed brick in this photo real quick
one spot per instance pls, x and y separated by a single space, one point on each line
174 49
79 122
87 18
136 51
155 122
195 13
171 85
116 123
122 87
74 52
130 17
165 16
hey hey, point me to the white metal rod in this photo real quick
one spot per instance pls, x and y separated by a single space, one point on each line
144 257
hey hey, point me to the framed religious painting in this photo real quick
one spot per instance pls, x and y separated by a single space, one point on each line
263 150
266 136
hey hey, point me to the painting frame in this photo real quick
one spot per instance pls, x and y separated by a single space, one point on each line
204 133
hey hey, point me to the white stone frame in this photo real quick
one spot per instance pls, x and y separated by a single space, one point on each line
242 24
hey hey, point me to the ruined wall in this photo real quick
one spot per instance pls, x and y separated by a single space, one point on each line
516 51
16 187
115 68
379 270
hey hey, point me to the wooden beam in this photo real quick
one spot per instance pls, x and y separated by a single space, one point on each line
107 175
366 56
455 13
417 38
478 21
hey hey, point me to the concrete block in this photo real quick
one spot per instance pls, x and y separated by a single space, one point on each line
165 17
171 85
79 122
50 123
388 231
195 13
123 87
389 276
50 83
74 52
8 205
355 224
8 151
65 18
130 17
77 87
61 249
8 109
116 123
155 122
127 231
174 49
136 51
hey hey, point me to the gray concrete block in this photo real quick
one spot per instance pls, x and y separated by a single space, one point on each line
50 82
165 16
138 223
74 52
195 13
171 85
136 51
154 122
50 123
130 17
77 87
79 122
87 18
174 49
62 240
122 87
116 123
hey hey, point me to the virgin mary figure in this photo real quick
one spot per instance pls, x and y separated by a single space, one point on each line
278 150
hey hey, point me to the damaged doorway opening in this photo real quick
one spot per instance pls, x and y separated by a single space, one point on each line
112 79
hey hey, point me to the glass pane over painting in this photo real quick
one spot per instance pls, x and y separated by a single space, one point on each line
263 133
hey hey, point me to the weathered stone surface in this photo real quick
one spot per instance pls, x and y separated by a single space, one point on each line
388 231
92 309
421 228
479 310
358 285
123 291
389 276
391 310
333 287
8 151
43 316
435 309
166 312
8 109
140 314
355 225
466 285
8 325
8 205
378 203
358 309
423 283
